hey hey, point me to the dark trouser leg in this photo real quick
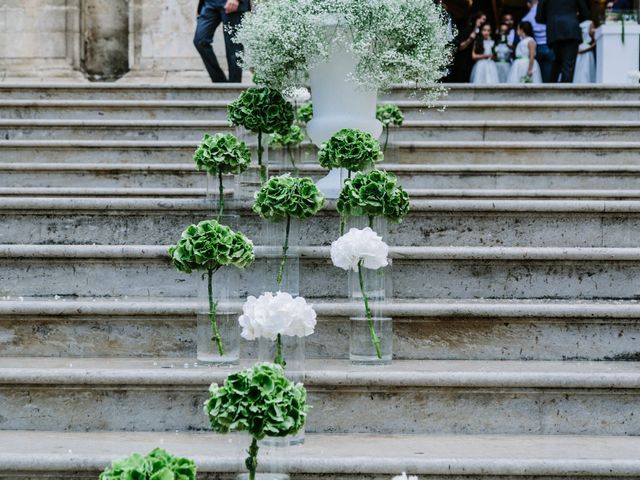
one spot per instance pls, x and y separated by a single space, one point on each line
546 59
208 21
569 52
232 20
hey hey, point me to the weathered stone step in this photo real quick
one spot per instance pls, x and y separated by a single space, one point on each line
416 130
591 178
418 272
412 109
428 329
207 92
407 397
421 152
333 457
134 193
150 221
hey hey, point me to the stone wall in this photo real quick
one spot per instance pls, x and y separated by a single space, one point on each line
150 40
39 38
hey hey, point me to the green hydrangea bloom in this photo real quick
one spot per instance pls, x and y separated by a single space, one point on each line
295 136
261 110
304 114
209 246
156 465
389 114
259 400
222 153
373 194
286 196
352 149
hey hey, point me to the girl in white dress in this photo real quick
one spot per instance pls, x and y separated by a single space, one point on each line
485 70
585 71
524 68
503 53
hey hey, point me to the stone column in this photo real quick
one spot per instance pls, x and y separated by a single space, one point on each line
39 40
104 26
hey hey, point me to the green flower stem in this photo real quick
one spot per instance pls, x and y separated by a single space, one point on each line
252 460
343 224
374 338
213 308
371 222
221 193
292 159
279 359
263 168
285 249
386 138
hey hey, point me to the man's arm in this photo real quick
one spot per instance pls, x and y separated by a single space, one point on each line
541 14
200 5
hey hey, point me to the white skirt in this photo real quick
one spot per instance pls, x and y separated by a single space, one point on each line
503 71
485 72
519 69
585 71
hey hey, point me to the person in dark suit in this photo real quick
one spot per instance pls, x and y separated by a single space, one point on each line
211 13
563 18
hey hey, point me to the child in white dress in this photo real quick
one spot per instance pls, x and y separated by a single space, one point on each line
585 71
485 70
524 68
503 53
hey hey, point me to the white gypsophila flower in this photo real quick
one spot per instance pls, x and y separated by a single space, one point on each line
270 315
405 477
404 41
298 95
634 75
360 245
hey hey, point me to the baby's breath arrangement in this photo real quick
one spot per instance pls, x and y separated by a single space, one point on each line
209 246
389 114
222 154
260 401
373 194
284 197
351 149
261 111
394 42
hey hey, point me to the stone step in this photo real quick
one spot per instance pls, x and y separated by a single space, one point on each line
468 222
135 193
519 152
407 397
119 91
417 273
580 181
416 130
333 457
515 110
428 329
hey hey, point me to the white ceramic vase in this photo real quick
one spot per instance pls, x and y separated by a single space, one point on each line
338 102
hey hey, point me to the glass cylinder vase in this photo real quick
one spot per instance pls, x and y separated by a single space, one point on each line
288 351
216 194
279 259
219 344
285 159
371 340
218 331
258 143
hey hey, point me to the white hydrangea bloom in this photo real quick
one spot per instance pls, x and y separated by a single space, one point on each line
357 245
270 315
634 75
298 95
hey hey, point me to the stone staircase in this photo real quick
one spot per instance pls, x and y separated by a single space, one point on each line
516 280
